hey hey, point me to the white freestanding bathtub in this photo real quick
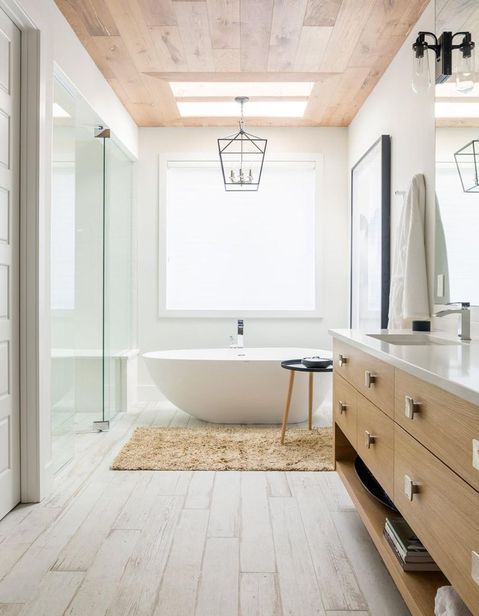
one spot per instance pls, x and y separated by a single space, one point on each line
236 385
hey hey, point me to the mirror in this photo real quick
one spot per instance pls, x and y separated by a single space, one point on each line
457 126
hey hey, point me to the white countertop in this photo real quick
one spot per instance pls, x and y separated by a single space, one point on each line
454 368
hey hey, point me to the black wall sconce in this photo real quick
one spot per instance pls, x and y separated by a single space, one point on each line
443 48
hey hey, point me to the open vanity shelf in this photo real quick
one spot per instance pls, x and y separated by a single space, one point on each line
417 440
417 589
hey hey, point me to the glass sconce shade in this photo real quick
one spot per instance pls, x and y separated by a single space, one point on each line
465 72
443 48
467 163
421 78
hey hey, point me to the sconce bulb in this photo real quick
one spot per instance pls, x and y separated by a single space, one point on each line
421 78
465 73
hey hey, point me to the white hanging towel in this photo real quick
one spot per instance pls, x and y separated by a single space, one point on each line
409 295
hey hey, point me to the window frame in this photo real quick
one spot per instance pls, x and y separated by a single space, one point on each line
202 158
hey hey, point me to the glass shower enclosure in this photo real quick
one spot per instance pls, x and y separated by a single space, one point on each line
91 272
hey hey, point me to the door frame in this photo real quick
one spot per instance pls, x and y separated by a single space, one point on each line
34 327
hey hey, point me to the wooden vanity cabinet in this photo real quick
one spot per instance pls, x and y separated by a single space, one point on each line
373 378
442 509
375 442
442 422
418 441
345 410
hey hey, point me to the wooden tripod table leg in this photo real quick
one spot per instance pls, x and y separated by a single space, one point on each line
288 404
310 401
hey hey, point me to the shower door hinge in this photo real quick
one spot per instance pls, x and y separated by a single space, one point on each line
101 131
101 426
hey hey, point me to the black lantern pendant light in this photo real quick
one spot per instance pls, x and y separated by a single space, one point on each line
467 163
242 157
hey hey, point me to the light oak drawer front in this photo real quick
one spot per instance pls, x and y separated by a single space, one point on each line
375 442
345 407
443 423
372 377
345 360
442 509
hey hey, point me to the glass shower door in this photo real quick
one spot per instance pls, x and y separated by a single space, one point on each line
89 277
91 272
76 279
62 286
117 290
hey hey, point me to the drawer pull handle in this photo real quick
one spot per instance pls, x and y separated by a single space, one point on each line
369 439
475 453
410 488
475 567
410 407
342 406
342 359
369 378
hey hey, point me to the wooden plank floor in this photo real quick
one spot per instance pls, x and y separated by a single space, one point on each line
188 543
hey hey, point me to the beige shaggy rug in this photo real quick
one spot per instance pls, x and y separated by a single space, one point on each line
225 448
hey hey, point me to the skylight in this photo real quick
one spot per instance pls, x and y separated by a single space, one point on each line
254 109
201 89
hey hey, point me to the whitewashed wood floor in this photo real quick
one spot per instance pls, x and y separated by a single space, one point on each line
188 543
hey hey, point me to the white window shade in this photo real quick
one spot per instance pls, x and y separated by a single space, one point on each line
239 252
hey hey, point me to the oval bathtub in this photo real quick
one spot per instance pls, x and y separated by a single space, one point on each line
235 385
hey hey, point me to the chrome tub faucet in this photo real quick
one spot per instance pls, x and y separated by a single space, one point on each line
240 336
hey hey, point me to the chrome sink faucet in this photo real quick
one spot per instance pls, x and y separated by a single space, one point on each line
465 311
240 336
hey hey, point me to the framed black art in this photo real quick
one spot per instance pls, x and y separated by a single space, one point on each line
371 237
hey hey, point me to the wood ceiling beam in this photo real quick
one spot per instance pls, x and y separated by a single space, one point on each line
239 76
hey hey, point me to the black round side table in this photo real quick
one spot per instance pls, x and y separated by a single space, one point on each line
295 365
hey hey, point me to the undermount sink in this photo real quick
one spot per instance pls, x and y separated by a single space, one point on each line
413 339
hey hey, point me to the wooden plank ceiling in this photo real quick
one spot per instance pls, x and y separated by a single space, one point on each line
343 46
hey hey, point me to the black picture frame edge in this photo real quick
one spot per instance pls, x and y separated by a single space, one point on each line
385 142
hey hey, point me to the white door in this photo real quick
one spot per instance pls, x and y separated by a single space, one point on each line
9 264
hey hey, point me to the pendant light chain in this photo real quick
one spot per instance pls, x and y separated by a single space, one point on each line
241 176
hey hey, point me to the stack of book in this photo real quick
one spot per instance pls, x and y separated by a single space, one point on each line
409 551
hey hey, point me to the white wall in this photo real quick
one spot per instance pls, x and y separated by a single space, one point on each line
60 45
156 333
450 139
394 109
